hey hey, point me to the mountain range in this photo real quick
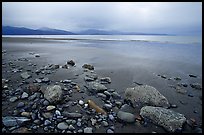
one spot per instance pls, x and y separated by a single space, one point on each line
9 30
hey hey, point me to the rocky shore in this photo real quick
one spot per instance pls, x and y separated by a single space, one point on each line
64 98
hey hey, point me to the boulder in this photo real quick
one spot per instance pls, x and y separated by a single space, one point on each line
166 118
53 93
96 87
146 95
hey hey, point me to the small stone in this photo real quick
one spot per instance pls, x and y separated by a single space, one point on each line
24 95
38 80
26 114
57 112
45 80
163 76
80 131
109 131
88 66
81 102
50 107
37 55
116 95
88 130
67 81
13 99
111 117
101 95
105 123
25 75
106 79
62 126
107 106
173 106
71 127
79 124
47 122
20 104
71 62
177 78
45 102
191 75
190 95
196 86
93 121
125 116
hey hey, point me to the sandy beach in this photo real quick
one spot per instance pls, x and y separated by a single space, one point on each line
128 64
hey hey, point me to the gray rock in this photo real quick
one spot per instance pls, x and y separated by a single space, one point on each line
80 131
191 75
50 107
115 95
196 86
107 93
13 99
111 117
107 106
127 108
125 116
88 66
47 122
66 81
10 121
106 79
88 130
72 115
104 123
20 104
45 102
53 93
180 90
38 80
166 118
81 102
25 75
62 126
109 131
71 127
57 112
45 80
37 55
24 95
88 79
147 95
32 97
101 95
96 87
79 124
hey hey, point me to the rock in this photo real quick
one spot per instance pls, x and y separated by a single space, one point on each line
88 130
111 117
71 62
107 106
81 102
191 75
115 95
93 121
173 106
66 81
47 115
184 84
88 66
109 131
107 93
62 126
21 130
147 95
127 108
20 104
72 115
47 122
101 95
10 121
26 114
88 79
96 87
125 116
65 66
166 118
177 78
79 124
104 123
37 55
33 88
50 107
106 79
55 66
163 76
58 113
25 75
13 99
45 102
45 80
180 90
38 80
24 95
53 93
196 86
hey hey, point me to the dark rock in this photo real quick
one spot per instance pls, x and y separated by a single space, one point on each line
191 75
177 78
71 62
88 66
196 86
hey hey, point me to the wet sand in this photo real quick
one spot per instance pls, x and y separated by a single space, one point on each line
123 69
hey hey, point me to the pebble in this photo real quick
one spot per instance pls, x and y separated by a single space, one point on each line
191 75
67 81
101 95
107 93
79 124
57 112
24 95
190 95
107 106
45 102
38 80
47 122
81 102
62 126
93 121
163 76
26 114
50 107
173 106
45 80
109 131
25 75
111 117
125 116
71 127
116 95
13 99
105 123
88 130
20 104
80 131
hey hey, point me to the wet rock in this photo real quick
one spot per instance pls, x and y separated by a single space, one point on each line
45 80
180 90
24 95
33 88
37 55
105 123
38 80
196 86
191 75
26 114
88 66
115 95
111 117
107 106
177 78
53 93
21 130
147 95
96 87
47 122
88 79
10 121
62 126
88 130
81 102
50 107
109 131
166 118
25 75
125 116
72 115
101 95
107 93
71 62
13 99
163 76
106 79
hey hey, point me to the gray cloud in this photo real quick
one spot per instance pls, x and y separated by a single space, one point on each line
132 16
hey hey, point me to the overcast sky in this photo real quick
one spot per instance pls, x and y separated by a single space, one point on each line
159 17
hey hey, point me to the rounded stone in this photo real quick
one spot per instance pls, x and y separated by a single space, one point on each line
62 126
50 107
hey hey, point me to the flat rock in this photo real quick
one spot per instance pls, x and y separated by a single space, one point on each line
166 118
62 126
25 75
10 121
53 93
147 95
96 87
125 116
